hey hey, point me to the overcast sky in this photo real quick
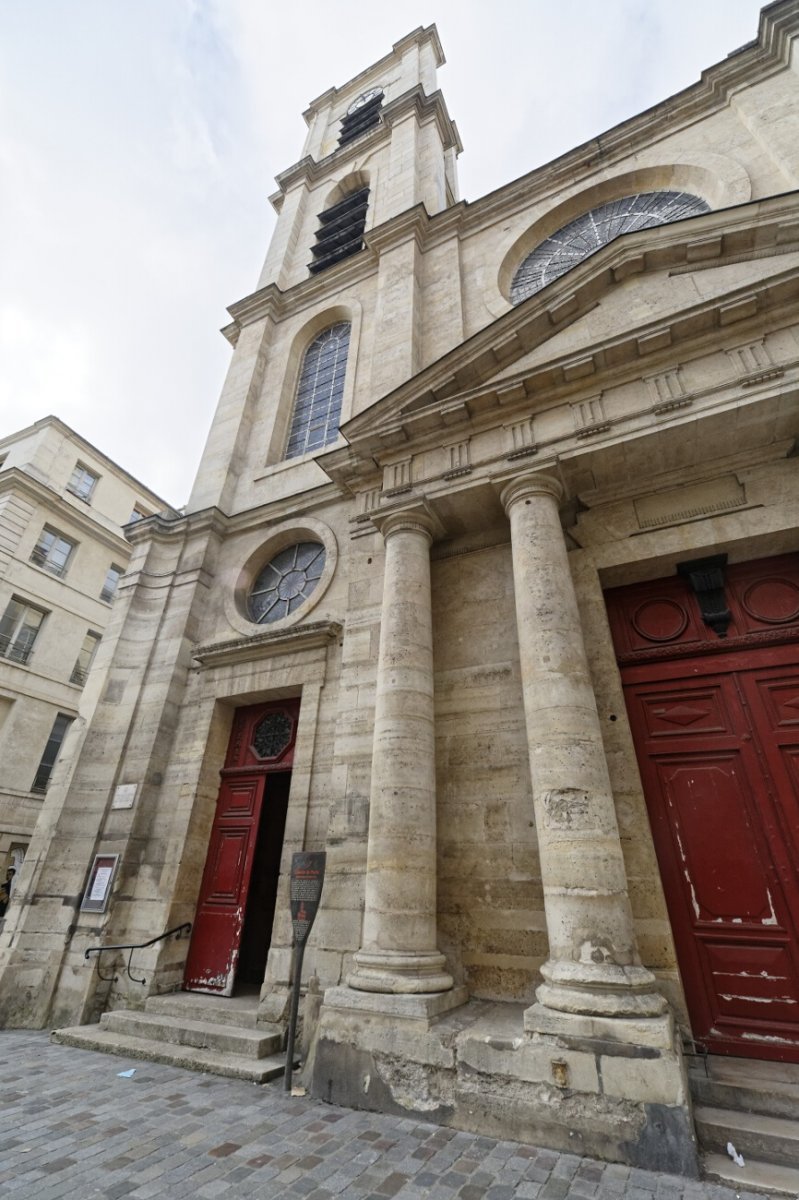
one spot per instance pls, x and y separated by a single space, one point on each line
139 140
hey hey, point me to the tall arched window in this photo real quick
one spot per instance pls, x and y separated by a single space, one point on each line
317 406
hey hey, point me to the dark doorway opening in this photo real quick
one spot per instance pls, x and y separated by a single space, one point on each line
260 912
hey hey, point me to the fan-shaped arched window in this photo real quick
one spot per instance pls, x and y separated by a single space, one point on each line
593 230
317 406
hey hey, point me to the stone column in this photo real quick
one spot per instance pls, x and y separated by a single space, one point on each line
593 966
399 952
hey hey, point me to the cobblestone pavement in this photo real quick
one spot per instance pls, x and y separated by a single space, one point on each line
70 1126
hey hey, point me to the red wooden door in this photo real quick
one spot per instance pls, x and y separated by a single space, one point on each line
261 743
716 729
214 950
730 883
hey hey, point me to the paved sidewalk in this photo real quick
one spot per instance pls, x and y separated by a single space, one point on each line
71 1127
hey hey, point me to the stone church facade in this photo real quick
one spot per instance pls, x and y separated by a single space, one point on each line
518 647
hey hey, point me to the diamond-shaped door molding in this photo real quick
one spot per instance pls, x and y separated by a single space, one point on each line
681 714
272 735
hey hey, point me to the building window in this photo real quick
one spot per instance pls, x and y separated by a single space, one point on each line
18 630
317 407
52 552
286 582
112 578
82 482
48 759
85 658
340 231
593 230
138 514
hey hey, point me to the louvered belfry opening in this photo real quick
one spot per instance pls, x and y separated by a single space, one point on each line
356 123
340 231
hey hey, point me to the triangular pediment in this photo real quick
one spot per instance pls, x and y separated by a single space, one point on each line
652 298
635 297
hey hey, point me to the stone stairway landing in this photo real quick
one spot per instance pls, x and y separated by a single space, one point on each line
754 1105
202 1033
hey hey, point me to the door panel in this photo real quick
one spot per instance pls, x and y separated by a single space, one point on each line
772 697
255 779
718 835
214 950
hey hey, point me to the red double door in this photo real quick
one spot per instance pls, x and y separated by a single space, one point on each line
235 911
716 729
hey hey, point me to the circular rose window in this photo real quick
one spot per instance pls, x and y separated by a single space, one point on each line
286 582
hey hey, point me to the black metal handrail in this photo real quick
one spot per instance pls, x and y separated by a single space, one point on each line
178 931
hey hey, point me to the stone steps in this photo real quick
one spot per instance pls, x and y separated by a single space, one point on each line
199 1035
770 1178
754 1105
748 1087
241 1011
214 1062
761 1138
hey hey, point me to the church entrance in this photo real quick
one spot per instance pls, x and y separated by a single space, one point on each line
236 906
710 666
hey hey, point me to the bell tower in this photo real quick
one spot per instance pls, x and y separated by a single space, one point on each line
350 251
387 130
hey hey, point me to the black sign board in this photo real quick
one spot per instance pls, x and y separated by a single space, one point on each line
307 877
305 890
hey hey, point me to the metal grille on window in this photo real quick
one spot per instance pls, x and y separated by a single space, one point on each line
80 672
52 552
593 230
19 628
317 406
286 582
272 735
363 118
340 231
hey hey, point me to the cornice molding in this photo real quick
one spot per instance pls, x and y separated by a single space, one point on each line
66 431
14 479
300 638
309 171
455 386
418 36
758 60
427 108
271 302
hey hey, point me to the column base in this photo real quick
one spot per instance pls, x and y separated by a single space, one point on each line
409 1006
396 973
600 989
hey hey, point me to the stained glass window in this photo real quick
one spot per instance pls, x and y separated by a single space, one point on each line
317 406
593 230
286 582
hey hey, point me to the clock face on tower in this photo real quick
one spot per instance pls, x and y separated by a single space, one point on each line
364 98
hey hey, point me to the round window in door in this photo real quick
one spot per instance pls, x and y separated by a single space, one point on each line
272 735
286 582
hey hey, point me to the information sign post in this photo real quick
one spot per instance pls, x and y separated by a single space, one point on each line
307 877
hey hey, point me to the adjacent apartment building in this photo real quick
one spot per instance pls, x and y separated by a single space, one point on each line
63 552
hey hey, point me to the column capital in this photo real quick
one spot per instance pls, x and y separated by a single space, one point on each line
524 487
417 519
